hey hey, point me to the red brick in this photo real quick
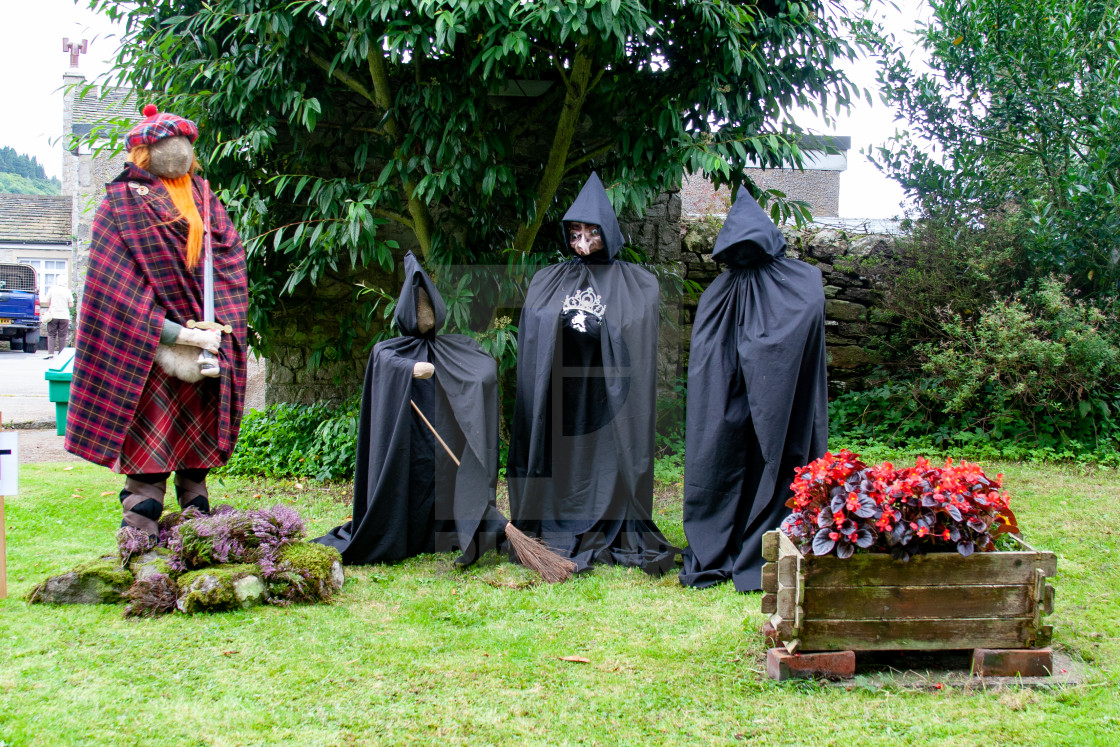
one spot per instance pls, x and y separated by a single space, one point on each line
1012 662
770 634
782 665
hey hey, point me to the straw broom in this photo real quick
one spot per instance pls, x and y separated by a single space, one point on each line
531 552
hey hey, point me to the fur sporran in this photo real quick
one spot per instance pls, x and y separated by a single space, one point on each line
180 361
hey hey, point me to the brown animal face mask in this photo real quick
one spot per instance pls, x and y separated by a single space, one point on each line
584 238
425 315
171 157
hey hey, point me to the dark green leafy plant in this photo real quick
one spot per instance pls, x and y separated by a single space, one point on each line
311 441
910 414
1022 106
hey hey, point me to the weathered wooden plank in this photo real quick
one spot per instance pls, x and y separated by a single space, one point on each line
782 573
871 635
770 545
3 555
769 603
935 569
918 602
787 601
783 627
1048 600
770 577
787 571
786 546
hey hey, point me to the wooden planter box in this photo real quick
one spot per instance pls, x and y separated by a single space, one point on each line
938 601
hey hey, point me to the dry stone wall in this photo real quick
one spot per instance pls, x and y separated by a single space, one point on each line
299 327
849 264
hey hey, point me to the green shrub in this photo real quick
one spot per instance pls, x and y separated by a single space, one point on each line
910 415
311 441
1039 354
983 358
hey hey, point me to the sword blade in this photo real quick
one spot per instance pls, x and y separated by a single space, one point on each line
207 257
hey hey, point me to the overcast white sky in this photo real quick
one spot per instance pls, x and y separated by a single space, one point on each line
31 56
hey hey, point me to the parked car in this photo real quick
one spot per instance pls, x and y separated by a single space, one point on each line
19 307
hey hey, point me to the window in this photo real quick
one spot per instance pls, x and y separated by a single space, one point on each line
48 269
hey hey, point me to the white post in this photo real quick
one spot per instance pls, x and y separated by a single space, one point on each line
9 485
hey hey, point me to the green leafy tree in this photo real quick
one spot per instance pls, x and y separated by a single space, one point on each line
1022 107
341 129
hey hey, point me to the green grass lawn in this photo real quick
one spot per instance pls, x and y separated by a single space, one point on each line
422 652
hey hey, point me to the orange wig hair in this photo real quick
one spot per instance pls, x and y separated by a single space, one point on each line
182 197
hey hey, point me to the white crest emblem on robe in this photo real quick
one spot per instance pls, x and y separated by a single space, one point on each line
584 302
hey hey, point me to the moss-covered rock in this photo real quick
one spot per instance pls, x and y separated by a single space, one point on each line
101 581
221 587
701 236
156 594
318 560
307 572
851 356
153 562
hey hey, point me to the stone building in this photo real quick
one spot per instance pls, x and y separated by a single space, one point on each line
52 233
36 230
91 118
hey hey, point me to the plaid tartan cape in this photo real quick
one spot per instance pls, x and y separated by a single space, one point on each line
123 413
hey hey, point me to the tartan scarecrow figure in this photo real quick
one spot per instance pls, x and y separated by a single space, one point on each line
157 386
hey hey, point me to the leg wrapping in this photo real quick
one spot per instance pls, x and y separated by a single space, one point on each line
142 502
190 489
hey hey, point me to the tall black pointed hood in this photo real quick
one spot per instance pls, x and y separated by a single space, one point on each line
748 237
406 314
593 206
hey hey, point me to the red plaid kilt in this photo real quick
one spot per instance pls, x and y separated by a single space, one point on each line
175 426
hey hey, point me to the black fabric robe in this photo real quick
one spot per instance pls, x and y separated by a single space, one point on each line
757 398
580 464
409 497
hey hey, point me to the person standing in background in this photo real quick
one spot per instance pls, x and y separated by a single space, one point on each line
58 300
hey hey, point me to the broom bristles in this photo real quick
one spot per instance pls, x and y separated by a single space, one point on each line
534 554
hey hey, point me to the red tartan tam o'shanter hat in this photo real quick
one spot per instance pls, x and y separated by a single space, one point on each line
156 126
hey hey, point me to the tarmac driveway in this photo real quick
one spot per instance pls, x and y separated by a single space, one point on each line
23 390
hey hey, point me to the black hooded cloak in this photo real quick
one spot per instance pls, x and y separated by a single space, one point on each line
409 497
757 398
581 452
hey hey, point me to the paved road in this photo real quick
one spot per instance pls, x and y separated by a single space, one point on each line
23 390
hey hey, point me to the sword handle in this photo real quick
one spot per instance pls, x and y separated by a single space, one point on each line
192 324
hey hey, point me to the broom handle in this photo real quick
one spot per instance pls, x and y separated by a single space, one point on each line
433 430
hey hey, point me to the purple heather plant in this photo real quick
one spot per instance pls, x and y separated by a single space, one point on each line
132 541
275 528
229 535
206 540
